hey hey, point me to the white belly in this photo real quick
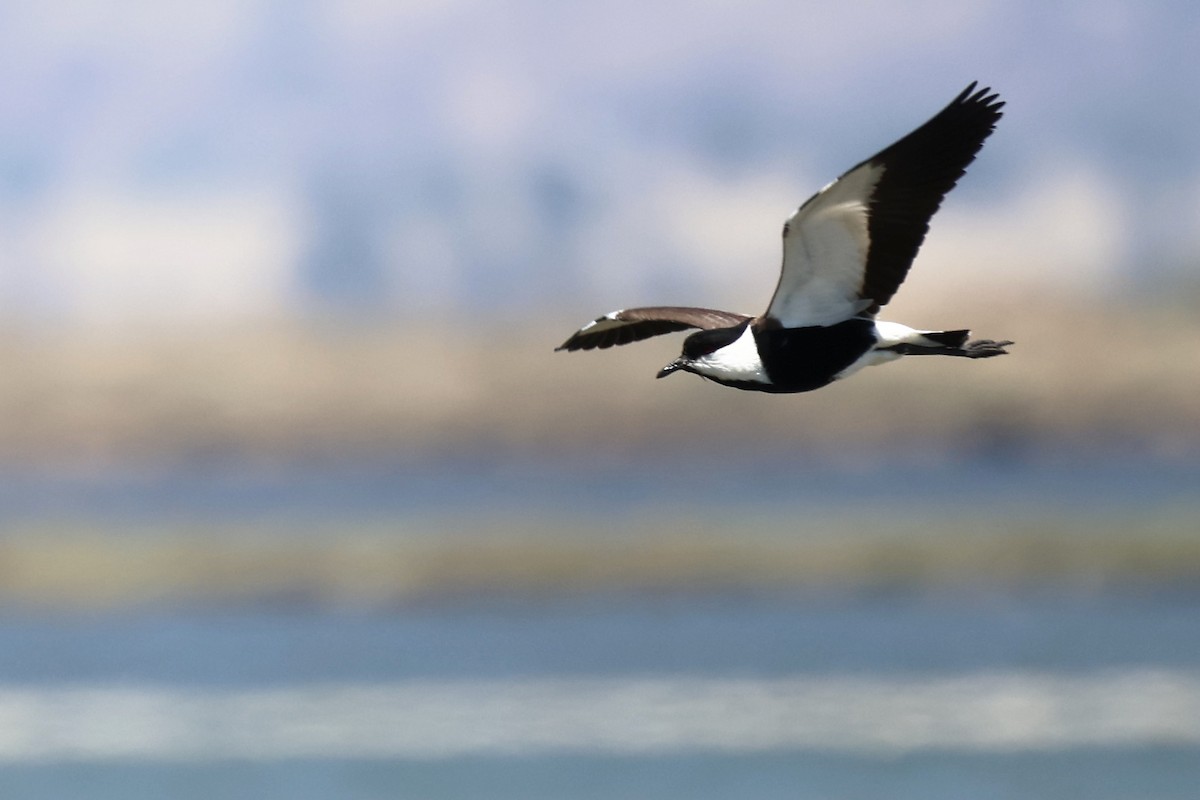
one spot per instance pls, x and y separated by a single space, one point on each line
887 334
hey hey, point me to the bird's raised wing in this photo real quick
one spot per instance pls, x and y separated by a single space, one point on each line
634 324
849 247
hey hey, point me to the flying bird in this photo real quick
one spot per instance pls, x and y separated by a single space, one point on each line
846 251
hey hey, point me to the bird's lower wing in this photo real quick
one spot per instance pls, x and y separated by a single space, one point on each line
634 324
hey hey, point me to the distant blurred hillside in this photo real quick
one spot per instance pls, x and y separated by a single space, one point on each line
1080 378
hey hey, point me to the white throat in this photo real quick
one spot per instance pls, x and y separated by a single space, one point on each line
736 361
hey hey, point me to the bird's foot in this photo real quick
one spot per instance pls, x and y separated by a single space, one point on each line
985 348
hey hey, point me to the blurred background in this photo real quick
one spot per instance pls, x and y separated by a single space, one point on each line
297 500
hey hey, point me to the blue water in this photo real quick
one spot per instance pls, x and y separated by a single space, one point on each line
793 483
740 634
886 638
1156 773
747 636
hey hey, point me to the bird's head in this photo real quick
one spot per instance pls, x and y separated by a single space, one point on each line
710 353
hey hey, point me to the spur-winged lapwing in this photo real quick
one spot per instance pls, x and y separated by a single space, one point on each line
845 252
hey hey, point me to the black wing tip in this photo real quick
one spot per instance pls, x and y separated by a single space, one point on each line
579 341
975 95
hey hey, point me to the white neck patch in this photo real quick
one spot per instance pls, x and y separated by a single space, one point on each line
736 361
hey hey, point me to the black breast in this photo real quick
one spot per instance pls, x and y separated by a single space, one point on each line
803 359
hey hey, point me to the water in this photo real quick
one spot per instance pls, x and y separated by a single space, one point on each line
789 484
744 634
750 695
1006 691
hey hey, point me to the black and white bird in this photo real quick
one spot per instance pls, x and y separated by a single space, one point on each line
845 252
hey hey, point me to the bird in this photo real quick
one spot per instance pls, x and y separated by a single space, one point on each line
846 251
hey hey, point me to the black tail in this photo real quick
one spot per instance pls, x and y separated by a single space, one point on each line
951 339
951 343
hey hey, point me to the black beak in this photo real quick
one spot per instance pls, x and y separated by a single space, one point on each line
669 368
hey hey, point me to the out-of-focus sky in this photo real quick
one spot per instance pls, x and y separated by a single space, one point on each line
233 159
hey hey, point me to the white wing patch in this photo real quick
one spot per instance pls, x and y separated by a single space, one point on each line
604 323
825 247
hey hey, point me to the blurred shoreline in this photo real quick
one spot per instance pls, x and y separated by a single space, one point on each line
390 563
523 478
1104 380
